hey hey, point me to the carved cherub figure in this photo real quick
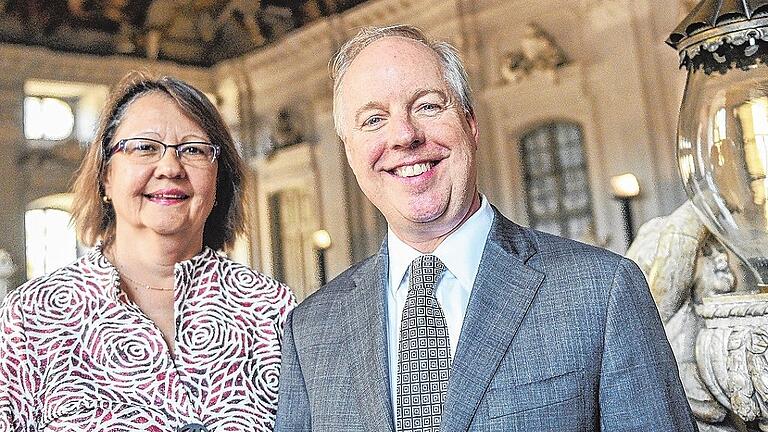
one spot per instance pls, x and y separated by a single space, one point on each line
684 263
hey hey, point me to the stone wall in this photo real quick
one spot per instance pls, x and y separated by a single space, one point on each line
621 85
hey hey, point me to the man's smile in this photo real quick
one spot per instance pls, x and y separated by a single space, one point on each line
413 170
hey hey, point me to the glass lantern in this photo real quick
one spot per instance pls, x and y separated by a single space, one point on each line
722 154
722 143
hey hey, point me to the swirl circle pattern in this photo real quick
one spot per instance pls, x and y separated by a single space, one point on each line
75 355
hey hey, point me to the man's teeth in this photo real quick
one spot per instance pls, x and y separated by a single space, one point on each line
413 170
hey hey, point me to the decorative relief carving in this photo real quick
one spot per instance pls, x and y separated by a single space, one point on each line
719 334
287 128
538 52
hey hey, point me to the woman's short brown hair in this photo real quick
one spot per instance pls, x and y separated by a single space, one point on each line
95 219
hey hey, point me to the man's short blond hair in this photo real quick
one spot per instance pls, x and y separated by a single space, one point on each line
453 69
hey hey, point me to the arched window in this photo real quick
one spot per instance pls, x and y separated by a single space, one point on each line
556 179
57 112
50 235
47 118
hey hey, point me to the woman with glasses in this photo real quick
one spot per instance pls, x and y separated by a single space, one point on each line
153 329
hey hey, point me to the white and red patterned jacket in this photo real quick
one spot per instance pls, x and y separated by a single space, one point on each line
77 355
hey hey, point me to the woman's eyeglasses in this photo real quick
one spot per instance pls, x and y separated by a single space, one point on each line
147 151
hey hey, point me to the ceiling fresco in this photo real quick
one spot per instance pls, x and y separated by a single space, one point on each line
192 32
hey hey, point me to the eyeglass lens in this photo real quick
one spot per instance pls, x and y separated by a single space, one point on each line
142 150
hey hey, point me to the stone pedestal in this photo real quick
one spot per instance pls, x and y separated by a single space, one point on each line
731 354
718 328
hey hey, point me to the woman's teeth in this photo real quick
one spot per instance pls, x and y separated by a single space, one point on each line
166 196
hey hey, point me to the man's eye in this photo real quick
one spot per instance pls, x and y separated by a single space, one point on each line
372 121
430 107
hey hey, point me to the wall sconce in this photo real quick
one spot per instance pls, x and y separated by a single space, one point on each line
625 189
321 241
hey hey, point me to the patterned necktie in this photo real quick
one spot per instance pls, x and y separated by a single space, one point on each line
424 355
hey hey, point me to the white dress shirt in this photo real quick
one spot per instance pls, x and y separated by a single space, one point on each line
460 252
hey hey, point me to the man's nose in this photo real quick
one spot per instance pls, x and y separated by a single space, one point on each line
407 132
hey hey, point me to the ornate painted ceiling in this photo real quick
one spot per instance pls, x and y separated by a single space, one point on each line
194 32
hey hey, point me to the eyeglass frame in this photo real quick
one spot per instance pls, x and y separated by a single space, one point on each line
120 146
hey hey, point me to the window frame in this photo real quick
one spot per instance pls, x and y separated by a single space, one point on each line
560 216
59 202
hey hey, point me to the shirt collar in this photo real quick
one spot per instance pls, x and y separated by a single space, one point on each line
460 252
184 271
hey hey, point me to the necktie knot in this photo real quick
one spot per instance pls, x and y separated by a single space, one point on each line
425 270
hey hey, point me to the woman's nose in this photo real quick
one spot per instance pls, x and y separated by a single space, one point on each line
170 165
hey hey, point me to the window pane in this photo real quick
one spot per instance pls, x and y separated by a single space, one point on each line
50 240
543 193
537 155
61 246
34 221
578 227
47 118
557 184
571 157
576 190
567 134
549 227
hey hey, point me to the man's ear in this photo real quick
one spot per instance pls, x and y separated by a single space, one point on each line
472 122
344 147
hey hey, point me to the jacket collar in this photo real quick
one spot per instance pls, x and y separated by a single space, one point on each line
504 290
367 342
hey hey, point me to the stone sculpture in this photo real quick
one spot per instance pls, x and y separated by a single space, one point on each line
538 52
718 333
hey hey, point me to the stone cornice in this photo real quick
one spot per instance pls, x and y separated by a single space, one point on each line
386 12
309 43
43 63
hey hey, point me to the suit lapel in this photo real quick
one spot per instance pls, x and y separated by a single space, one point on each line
503 291
367 341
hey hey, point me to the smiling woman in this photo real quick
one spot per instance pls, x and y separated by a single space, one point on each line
152 326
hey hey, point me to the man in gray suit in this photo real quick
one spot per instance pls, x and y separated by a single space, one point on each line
464 321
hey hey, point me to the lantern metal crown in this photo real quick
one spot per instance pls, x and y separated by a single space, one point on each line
719 35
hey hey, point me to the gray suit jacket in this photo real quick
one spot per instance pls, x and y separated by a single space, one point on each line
558 336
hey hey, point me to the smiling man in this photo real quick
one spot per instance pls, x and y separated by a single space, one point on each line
463 320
